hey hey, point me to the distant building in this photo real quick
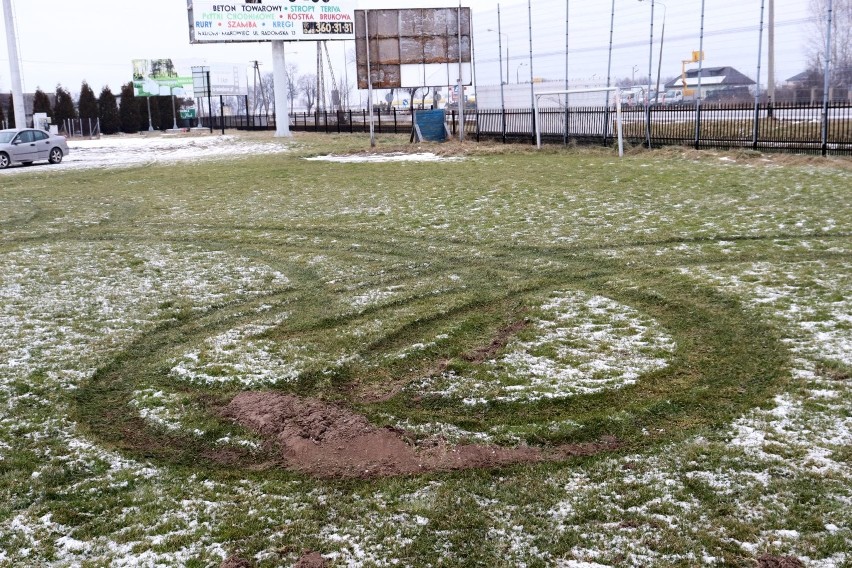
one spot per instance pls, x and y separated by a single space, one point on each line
807 86
712 79
803 79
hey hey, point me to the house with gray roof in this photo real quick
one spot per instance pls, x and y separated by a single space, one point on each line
712 79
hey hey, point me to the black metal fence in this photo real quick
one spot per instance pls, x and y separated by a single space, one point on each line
238 122
785 127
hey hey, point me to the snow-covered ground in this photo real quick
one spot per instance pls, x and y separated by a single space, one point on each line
126 150
775 480
140 149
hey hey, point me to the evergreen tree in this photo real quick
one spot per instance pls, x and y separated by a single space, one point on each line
87 106
11 110
164 105
41 102
108 112
2 116
142 106
63 106
128 113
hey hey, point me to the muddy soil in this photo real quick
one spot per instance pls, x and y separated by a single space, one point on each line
329 441
770 561
311 560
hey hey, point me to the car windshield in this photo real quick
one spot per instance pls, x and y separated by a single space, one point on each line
6 137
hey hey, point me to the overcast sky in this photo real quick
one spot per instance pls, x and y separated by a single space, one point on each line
66 42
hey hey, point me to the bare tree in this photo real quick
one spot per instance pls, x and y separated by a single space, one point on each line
267 89
292 72
308 89
412 95
841 42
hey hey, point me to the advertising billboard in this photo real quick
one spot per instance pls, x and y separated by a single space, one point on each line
155 77
413 47
215 21
166 77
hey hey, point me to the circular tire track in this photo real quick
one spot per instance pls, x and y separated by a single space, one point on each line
726 361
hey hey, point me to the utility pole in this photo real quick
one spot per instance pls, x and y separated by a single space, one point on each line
255 69
770 81
320 80
461 97
19 109
279 77
258 79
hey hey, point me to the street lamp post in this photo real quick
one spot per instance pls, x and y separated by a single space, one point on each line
650 72
500 56
660 59
651 49
500 47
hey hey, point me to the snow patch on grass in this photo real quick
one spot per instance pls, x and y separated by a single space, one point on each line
579 344
242 356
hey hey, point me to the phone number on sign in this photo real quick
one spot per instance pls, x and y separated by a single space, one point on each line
328 28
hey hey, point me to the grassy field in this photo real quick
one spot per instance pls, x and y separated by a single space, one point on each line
691 308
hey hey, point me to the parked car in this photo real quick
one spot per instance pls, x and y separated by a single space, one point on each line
672 97
28 145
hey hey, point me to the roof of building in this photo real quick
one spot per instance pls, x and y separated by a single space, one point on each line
715 76
800 77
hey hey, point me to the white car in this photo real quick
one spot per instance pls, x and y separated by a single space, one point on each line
28 145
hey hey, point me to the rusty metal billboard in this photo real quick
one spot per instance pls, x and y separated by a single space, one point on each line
419 47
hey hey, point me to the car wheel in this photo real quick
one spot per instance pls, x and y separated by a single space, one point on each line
4 160
55 156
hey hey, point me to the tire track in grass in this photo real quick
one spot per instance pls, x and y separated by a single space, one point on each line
726 361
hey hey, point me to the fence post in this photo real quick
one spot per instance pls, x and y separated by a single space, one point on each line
648 122
756 126
477 125
697 123
247 112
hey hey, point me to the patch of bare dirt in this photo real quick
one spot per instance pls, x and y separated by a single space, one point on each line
311 560
770 561
328 441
